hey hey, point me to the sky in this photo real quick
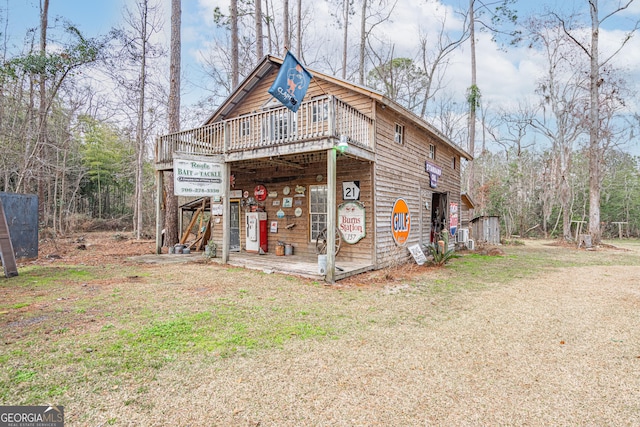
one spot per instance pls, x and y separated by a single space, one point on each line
504 76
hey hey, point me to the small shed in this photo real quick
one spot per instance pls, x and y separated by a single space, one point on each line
486 229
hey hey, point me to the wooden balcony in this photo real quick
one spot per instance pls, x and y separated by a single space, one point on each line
316 126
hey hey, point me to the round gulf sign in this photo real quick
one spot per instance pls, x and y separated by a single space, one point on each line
400 222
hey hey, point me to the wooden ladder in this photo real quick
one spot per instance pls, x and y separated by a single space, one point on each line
6 247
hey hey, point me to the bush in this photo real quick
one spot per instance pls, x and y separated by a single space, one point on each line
440 254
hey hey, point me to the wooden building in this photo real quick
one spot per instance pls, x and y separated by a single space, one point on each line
486 229
397 182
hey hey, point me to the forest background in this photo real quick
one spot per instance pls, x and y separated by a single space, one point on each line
79 109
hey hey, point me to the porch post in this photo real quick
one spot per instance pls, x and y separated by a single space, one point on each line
331 215
159 219
226 206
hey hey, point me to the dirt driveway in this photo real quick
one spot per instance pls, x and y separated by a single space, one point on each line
559 347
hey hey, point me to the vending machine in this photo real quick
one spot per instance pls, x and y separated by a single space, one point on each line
256 226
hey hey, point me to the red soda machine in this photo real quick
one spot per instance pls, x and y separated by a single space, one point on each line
256 226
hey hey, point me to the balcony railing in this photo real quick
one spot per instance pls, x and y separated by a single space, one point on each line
316 119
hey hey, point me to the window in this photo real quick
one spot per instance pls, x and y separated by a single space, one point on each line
279 125
399 134
317 209
245 127
319 112
432 151
453 162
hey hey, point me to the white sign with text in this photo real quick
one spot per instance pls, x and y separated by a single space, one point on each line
197 178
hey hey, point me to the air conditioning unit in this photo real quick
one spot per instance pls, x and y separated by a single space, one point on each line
471 245
462 235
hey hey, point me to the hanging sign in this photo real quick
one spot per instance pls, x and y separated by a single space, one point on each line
197 178
453 218
351 222
400 222
434 173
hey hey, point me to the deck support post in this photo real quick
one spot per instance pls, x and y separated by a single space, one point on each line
159 216
226 213
331 216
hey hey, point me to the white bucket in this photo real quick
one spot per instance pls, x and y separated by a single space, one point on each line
322 265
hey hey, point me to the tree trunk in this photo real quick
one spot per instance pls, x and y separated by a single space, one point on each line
171 206
42 108
594 128
258 17
285 24
235 67
345 39
299 29
472 106
140 124
363 41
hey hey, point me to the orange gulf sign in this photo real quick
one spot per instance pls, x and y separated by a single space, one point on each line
400 222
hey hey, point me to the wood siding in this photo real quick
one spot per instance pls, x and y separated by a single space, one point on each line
255 101
399 172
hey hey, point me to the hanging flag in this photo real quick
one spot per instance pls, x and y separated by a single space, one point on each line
291 83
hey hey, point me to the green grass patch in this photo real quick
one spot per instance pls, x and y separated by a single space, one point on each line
20 305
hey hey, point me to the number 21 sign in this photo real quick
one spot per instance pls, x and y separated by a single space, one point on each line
351 190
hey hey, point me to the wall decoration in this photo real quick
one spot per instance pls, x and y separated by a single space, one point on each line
298 212
260 193
272 194
286 191
319 178
274 226
280 213
236 194
245 194
276 202
400 222
287 202
217 209
297 202
300 189
453 218
434 173
351 222
351 190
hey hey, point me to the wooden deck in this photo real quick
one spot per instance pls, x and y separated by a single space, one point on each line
289 264
294 264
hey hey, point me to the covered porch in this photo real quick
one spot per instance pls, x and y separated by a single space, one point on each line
277 138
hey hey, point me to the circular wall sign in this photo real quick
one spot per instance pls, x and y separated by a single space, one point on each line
260 193
400 222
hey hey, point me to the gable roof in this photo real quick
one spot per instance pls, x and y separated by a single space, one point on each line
270 63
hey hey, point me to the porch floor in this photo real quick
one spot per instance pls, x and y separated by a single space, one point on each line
297 265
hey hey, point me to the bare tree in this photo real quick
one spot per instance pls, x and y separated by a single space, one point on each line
285 24
561 92
596 147
235 65
381 14
345 36
171 205
258 24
